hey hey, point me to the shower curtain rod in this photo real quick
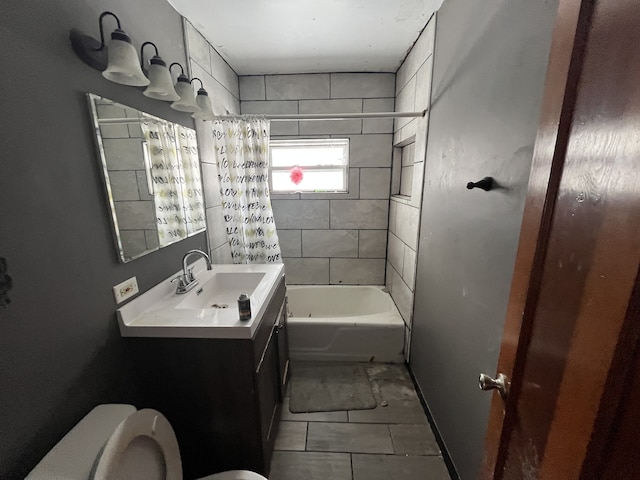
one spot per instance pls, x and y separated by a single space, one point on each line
326 116
296 116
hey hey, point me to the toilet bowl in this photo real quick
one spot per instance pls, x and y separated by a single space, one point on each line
117 442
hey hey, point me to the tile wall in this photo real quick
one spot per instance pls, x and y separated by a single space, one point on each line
413 90
221 82
337 238
128 182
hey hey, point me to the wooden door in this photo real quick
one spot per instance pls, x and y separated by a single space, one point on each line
573 317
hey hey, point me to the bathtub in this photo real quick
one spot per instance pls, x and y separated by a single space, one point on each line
344 323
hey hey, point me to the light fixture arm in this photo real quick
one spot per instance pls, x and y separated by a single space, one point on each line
196 78
142 54
176 63
102 15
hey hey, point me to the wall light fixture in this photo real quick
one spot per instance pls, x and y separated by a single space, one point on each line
161 86
118 62
203 101
187 102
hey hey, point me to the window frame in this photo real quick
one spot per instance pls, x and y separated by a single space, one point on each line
311 142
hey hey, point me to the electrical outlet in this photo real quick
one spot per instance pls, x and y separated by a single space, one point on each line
126 289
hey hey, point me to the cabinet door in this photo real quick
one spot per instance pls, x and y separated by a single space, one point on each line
268 394
283 349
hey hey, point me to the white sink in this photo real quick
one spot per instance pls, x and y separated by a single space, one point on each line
222 290
209 310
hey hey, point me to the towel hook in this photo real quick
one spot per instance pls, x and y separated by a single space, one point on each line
485 184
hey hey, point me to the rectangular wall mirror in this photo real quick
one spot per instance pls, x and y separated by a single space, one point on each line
152 177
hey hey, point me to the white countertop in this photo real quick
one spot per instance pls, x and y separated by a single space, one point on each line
154 313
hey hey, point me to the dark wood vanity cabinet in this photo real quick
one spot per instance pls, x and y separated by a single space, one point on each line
222 396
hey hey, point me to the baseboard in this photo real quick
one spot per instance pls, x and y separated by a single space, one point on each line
443 449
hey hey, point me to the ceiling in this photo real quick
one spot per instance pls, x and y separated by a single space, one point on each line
307 36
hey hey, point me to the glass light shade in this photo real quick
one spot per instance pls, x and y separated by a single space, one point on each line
202 100
161 86
124 65
187 102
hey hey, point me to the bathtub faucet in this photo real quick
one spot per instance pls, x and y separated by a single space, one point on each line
187 281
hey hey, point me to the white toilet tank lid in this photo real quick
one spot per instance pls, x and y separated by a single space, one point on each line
73 457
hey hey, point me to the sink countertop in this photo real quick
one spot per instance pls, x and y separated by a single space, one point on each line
154 313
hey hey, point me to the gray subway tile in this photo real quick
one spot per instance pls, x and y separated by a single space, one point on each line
216 227
406 180
362 85
357 271
211 185
348 437
123 154
252 88
269 106
372 244
151 238
406 102
198 47
124 185
133 242
359 214
277 107
307 271
294 214
395 252
336 127
378 125
423 85
375 183
135 215
330 243
297 87
223 73
402 296
143 186
393 213
290 243
407 224
370 150
222 254
409 268
422 49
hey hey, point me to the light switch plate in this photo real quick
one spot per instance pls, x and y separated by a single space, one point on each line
125 290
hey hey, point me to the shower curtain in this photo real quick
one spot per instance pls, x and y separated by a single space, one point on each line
242 155
161 153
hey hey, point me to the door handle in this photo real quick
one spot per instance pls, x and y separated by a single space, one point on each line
501 384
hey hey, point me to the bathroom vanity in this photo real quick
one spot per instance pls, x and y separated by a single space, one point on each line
220 382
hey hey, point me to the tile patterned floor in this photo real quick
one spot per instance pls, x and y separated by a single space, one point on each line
390 442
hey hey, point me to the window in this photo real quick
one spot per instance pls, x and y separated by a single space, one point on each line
309 165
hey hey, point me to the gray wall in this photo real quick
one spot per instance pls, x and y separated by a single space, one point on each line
335 238
490 63
60 349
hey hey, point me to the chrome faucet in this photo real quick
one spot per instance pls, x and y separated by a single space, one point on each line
187 281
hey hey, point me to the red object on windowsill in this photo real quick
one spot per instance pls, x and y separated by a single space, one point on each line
296 175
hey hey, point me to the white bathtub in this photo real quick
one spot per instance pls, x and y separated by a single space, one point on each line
344 323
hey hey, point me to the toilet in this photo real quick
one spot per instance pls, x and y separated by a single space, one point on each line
118 442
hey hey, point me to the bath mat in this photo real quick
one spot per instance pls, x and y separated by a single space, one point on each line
329 388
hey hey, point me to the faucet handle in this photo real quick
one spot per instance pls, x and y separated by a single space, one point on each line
189 275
